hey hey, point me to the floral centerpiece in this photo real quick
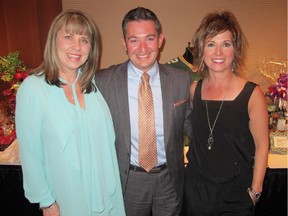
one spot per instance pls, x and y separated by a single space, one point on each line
277 92
274 70
12 73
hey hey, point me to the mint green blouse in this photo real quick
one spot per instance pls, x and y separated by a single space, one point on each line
67 153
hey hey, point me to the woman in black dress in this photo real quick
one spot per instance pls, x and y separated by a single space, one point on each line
229 150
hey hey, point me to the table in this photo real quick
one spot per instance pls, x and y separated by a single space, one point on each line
274 194
12 200
273 201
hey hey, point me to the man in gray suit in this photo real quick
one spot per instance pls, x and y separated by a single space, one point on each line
157 192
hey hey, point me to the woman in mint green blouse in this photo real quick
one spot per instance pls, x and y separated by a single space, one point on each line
64 127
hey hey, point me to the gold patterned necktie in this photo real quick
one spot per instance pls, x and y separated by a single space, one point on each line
147 150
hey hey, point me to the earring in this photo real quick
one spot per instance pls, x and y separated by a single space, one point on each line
232 66
203 67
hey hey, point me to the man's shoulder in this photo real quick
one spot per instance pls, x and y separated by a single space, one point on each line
113 68
173 70
104 77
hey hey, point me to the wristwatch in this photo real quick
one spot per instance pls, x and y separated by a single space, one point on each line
257 195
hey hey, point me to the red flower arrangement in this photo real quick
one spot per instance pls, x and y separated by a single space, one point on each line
12 72
279 89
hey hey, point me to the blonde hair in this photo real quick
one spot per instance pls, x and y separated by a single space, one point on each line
77 22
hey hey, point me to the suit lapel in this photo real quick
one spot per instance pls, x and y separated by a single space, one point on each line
167 101
122 102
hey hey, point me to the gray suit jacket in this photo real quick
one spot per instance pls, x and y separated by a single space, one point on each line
175 84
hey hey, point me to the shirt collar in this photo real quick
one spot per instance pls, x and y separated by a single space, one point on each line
136 73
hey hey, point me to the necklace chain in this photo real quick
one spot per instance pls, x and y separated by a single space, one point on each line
210 137
210 140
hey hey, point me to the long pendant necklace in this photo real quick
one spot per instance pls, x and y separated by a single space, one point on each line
210 137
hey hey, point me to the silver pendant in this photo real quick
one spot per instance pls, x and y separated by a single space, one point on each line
210 141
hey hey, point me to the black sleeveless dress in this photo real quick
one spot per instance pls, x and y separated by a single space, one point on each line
233 149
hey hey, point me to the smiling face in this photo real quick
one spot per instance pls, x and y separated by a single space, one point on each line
142 43
219 52
72 50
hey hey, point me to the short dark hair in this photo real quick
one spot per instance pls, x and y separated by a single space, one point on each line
138 14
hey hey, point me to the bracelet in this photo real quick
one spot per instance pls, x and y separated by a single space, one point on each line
257 195
50 206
